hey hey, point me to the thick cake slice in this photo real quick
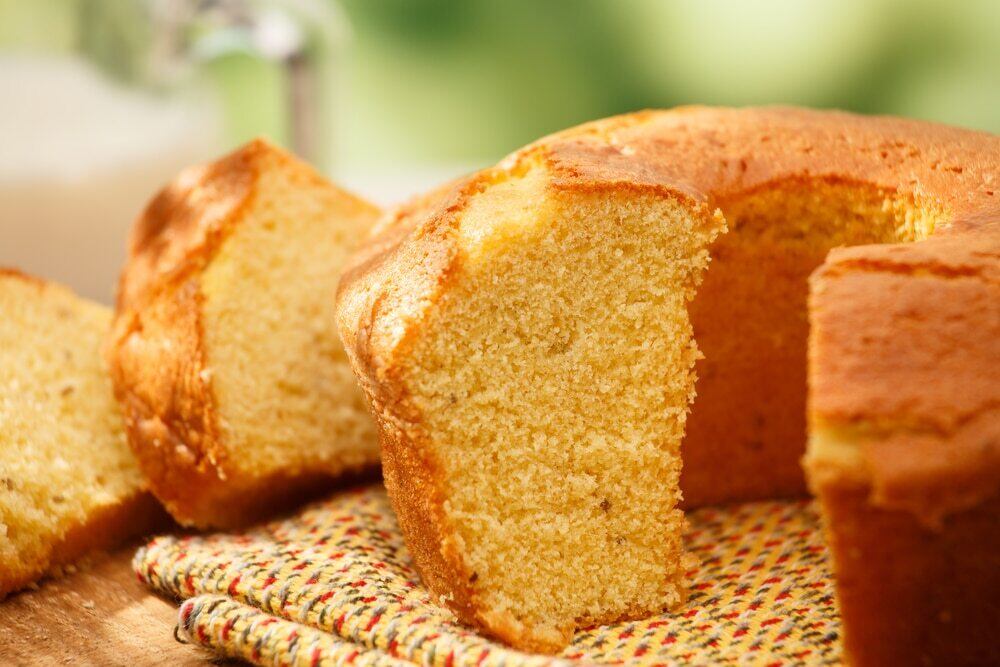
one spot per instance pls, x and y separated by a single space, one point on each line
237 395
533 420
68 482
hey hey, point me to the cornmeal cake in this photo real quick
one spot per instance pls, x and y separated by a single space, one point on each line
530 337
238 398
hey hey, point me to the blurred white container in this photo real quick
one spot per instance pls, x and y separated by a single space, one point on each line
81 152
79 156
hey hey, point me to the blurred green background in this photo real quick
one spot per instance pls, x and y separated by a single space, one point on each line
471 80
465 81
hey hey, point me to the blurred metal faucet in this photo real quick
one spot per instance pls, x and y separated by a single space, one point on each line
160 43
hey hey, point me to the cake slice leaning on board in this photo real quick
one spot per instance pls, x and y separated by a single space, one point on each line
68 482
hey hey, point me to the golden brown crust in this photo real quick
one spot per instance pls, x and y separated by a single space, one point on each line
187 220
9 272
904 343
411 482
156 368
156 349
704 156
409 469
909 596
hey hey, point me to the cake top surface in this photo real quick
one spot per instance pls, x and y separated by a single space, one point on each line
191 216
704 155
713 153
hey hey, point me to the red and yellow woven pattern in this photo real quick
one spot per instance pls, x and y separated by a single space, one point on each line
333 585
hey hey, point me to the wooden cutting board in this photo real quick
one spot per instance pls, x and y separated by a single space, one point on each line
99 615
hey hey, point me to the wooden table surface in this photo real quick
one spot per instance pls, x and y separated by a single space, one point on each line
99 615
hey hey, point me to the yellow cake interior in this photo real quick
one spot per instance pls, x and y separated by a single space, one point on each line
286 398
552 467
63 455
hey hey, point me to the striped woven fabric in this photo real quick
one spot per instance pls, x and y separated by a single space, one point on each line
334 585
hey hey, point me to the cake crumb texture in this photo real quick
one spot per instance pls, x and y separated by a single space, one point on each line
68 482
238 396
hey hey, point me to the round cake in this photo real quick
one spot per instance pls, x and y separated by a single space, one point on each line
529 339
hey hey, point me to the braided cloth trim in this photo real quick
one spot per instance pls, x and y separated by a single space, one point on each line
334 585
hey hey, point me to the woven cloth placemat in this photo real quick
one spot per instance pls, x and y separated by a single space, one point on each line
334 585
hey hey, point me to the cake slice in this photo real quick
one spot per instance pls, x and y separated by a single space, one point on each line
68 482
237 395
531 363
